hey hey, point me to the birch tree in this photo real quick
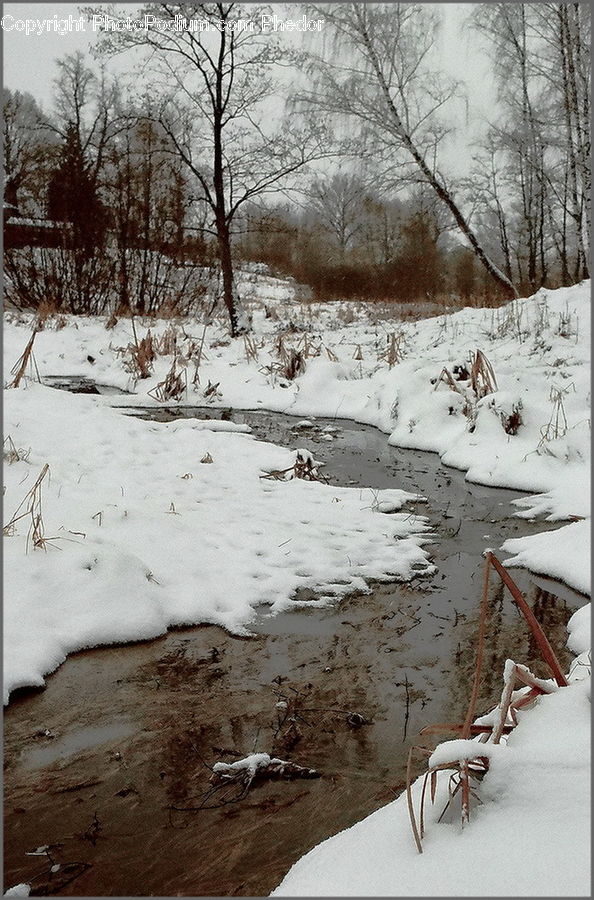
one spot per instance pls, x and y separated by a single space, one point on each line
380 78
541 139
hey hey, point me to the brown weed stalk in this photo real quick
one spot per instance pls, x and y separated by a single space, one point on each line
482 375
172 387
20 367
30 507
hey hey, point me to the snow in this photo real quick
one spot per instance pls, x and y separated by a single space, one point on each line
250 764
579 628
19 890
539 349
139 533
461 750
553 552
534 809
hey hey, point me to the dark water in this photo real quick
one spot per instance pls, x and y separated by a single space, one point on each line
79 384
133 729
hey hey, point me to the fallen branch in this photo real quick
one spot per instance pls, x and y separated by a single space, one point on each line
242 774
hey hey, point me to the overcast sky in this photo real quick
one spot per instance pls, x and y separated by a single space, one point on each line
30 62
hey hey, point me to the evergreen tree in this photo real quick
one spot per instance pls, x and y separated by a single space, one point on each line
73 196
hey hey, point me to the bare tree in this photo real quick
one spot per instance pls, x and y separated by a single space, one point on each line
379 77
25 148
217 95
541 139
338 204
566 28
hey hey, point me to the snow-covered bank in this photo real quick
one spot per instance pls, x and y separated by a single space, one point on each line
531 433
529 838
148 525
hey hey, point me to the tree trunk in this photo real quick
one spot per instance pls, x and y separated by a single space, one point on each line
237 321
226 261
571 114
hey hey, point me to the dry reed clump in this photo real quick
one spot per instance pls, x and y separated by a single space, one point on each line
211 391
472 764
48 315
30 508
141 355
511 421
394 351
13 454
251 350
568 324
43 313
557 425
291 361
304 467
27 357
480 376
508 321
196 354
166 345
173 385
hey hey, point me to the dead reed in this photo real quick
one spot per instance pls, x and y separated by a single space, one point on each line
482 375
473 765
140 355
557 425
30 507
304 467
20 367
394 351
173 385
13 454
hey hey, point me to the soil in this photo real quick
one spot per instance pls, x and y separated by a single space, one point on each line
101 766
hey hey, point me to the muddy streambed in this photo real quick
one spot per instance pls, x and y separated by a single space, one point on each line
99 763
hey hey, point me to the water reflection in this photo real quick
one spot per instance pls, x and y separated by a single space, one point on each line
508 636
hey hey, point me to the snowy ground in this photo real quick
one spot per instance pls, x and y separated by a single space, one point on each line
140 529
142 521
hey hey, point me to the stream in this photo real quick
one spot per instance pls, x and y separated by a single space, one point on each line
100 765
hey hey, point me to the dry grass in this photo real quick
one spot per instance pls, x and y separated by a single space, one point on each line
557 425
30 508
141 355
13 454
304 467
482 375
173 386
26 358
